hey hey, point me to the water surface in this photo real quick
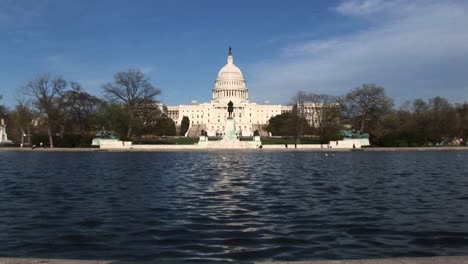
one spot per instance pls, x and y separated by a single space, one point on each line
238 206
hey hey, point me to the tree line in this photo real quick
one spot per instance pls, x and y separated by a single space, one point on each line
368 109
56 112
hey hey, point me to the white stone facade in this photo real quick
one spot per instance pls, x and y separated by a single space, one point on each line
311 111
3 135
230 85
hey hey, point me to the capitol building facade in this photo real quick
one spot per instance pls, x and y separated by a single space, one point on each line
230 85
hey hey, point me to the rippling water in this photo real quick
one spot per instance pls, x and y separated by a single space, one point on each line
240 206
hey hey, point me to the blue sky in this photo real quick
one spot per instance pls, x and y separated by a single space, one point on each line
412 48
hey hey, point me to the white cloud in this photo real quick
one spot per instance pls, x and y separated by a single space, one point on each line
147 69
378 9
419 51
357 7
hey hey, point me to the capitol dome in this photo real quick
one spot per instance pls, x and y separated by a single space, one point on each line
230 84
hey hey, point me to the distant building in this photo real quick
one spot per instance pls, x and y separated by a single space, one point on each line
230 85
312 110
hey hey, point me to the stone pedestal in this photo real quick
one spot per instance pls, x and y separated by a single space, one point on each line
99 141
230 131
230 140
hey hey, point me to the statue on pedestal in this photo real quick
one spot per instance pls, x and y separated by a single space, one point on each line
230 108
2 130
3 135
104 135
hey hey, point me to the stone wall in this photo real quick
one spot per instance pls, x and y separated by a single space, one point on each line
231 144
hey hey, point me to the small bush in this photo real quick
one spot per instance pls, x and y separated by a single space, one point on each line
65 141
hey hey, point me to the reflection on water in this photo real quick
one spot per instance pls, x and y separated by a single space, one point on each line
239 206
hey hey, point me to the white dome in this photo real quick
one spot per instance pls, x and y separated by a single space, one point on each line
230 83
230 72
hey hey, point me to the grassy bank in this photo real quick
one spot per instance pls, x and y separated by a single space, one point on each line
288 140
166 141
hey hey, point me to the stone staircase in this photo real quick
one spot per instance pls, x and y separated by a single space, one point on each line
195 130
261 129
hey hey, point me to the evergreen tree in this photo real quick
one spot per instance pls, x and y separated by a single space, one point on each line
184 125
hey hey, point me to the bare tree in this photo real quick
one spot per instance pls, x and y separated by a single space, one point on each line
133 89
317 114
22 118
147 117
80 109
462 113
323 115
45 92
365 104
299 115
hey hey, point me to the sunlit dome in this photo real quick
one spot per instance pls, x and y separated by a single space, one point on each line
230 71
230 82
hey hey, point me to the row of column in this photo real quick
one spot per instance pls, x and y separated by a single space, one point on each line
230 93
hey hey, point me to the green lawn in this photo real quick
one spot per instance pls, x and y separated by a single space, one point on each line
167 141
191 141
288 140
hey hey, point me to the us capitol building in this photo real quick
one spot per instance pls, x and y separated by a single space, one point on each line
230 85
